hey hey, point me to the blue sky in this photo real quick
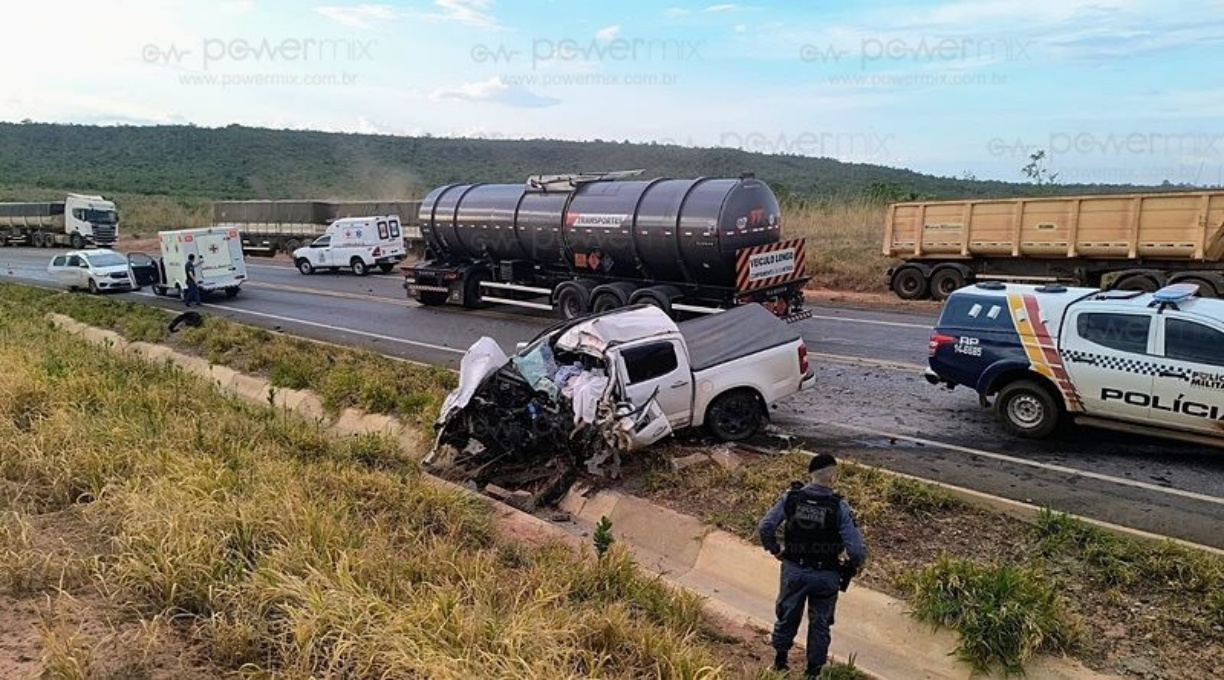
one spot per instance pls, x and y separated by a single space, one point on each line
1128 91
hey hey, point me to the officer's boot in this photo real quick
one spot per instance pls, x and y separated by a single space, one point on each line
780 663
812 672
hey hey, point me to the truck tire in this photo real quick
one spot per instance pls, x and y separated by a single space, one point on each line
304 266
76 241
36 240
656 296
1139 282
946 281
573 301
734 416
291 245
359 267
1207 289
610 296
910 283
1027 409
472 298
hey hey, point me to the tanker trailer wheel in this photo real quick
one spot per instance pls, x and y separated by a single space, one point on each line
610 296
910 283
656 296
946 281
36 239
360 268
573 301
735 416
304 266
76 241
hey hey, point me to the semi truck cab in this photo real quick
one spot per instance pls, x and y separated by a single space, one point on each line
90 220
1148 363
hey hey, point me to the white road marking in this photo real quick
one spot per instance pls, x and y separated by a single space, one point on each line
1120 481
339 329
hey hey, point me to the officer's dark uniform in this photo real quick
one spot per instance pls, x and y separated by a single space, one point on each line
817 527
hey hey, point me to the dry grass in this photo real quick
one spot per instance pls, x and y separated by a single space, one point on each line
845 239
285 551
342 377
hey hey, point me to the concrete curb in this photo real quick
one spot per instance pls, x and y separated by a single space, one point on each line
742 579
737 579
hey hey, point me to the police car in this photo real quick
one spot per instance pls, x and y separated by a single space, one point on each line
1150 363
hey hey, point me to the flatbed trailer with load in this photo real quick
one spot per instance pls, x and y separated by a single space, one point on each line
592 243
271 227
1127 241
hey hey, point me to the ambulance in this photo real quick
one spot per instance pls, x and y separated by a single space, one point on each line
355 243
1143 363
219 264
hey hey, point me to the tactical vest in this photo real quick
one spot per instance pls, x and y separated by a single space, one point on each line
811 536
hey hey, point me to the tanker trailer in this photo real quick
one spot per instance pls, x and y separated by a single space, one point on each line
1127 241
591 243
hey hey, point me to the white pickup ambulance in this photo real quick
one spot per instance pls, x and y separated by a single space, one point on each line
356 243
1147 363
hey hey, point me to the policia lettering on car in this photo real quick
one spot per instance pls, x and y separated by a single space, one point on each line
1191 408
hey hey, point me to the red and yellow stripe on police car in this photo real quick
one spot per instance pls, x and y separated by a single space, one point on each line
770 264
1039 347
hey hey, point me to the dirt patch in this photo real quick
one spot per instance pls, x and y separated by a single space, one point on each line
1141 628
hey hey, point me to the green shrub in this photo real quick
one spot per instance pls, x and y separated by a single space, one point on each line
1003 612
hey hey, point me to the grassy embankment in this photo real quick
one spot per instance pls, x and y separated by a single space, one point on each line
262 545
342 377
844 242
1010 589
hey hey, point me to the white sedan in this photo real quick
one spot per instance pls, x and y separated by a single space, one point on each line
95 270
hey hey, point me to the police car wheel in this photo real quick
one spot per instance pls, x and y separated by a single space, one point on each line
734 417
1026 409
909 283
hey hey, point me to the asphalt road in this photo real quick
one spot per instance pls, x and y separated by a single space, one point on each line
870 403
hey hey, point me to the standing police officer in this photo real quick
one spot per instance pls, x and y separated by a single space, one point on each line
818 526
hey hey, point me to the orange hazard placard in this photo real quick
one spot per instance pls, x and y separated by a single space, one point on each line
770 264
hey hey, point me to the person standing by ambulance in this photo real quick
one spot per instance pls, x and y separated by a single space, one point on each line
193 288
817 528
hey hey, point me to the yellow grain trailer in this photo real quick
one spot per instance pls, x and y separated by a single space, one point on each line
1126 241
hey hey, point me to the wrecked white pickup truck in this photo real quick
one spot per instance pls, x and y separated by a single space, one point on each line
592 388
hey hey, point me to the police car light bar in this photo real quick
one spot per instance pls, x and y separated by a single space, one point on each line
1176 292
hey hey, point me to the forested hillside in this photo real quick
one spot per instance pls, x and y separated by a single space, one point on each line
242 162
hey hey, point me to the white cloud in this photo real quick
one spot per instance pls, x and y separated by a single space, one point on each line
726 7
608 33
496 91
677 12
741 28
358 16
471 12
236 7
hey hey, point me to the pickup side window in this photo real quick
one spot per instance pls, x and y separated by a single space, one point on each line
382 231
58 261
1123 332
322 242
1190 341
646 362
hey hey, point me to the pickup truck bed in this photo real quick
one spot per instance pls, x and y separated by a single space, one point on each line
733 334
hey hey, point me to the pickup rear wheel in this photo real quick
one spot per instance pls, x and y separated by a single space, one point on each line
1027 409
734 416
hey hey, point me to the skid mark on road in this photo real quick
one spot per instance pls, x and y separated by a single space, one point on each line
1050 467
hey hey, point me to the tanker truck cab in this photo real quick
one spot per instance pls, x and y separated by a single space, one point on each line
1144 363
355 243
90 220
